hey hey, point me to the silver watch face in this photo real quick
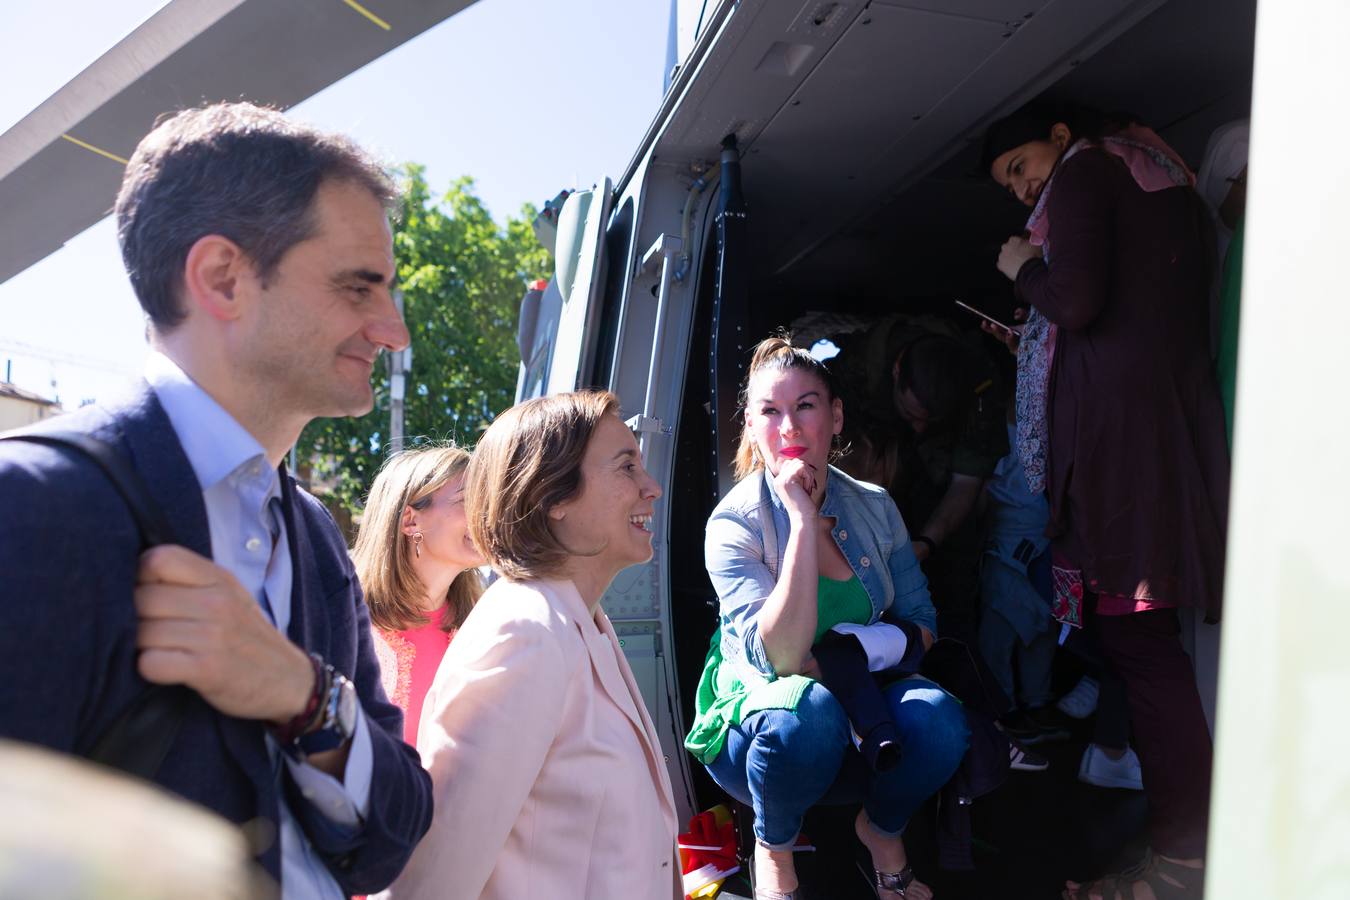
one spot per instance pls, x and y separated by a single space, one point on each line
346 706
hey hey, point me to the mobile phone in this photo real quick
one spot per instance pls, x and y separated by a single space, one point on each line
983 315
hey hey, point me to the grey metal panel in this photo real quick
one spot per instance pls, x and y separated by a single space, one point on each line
745 79
914 59
635 593
1009 12
677 89
277 52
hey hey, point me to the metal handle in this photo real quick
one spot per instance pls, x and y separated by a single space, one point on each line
666 249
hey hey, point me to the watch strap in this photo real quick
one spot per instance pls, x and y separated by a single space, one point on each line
330 732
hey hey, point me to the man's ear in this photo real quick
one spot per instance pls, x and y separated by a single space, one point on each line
1061 136
408 521
215 275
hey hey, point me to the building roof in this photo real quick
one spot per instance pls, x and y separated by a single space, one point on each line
17 393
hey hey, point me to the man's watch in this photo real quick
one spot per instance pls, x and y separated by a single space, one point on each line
336 722
329 717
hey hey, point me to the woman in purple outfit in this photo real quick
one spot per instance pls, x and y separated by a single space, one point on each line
1119 420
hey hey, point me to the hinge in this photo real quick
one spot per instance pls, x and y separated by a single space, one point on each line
647 425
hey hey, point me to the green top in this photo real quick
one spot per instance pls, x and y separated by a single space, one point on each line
723 700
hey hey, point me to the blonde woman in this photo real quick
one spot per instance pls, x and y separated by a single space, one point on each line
548 775
418 569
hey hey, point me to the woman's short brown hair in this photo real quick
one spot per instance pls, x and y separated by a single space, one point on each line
383 554
528 462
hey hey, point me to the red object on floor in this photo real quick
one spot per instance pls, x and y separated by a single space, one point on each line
708 851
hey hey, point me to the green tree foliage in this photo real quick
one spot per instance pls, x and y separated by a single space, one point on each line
462 277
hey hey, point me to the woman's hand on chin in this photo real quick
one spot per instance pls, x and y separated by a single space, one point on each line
796 483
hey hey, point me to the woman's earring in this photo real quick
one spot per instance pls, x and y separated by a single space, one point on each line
417 543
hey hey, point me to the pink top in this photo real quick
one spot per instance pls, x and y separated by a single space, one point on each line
408 663
1119 605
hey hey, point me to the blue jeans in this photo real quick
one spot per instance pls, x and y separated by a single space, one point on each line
783 762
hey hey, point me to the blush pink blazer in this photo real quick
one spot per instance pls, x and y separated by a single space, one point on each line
548 776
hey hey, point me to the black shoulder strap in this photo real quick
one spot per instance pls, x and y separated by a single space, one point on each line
139 739
154 527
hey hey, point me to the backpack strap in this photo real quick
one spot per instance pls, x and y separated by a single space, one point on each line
139 739
150 520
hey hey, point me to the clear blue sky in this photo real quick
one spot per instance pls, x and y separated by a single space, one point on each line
525 96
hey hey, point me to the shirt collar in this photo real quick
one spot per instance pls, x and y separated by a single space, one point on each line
215 443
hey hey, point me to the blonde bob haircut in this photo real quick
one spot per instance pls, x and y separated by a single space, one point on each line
528 462
775 353
383 553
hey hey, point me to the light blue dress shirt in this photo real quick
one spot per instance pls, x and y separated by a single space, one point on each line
237 483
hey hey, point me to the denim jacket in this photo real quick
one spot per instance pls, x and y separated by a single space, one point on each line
746 541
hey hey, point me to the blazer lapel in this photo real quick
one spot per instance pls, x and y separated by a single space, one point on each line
601 651
646 728
616 678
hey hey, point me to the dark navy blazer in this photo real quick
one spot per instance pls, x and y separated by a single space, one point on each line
68 557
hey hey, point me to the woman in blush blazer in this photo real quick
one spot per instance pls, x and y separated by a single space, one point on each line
549 778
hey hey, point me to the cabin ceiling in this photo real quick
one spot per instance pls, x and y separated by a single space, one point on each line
860 133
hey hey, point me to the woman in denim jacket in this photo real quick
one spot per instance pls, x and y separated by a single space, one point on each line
796 549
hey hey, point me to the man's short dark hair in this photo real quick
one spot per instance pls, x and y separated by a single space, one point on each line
936 369
241 171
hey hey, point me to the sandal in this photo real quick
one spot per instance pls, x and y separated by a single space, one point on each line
1167 879
896 882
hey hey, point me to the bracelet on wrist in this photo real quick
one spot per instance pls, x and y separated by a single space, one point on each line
310 717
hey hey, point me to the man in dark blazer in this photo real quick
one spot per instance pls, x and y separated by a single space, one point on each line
261 253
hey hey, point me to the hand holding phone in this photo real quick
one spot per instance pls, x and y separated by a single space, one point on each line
983 315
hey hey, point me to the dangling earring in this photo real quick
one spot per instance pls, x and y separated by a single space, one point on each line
417 543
